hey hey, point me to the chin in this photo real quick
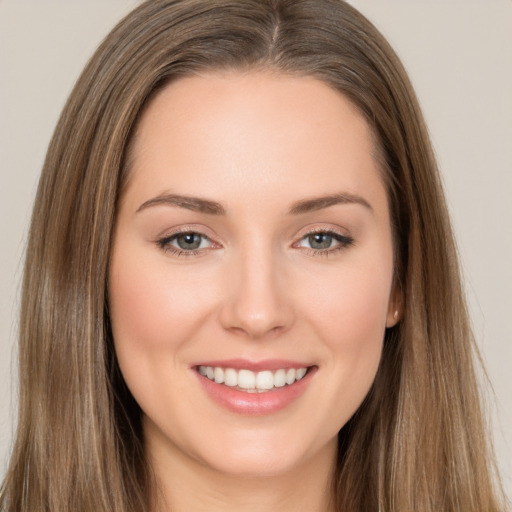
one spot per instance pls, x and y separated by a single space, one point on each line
256 465
265 455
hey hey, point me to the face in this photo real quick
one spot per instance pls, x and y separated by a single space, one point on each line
251 272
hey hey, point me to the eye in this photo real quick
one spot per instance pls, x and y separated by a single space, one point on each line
325 241
185 243
320 241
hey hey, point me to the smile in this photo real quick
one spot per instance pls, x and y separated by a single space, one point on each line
254 388
252 382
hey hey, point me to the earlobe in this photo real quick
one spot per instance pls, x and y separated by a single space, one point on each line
395 308
393 318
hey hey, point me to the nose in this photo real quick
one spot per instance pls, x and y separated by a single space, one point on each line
257 300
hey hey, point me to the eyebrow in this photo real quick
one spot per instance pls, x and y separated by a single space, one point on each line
207 206
319 203
195 204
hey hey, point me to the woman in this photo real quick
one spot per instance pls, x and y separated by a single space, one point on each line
241 288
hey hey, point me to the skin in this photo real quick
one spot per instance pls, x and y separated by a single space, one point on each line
257 143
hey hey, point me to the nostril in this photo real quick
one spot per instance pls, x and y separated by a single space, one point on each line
256 304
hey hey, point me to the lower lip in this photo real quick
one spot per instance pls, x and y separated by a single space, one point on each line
255 403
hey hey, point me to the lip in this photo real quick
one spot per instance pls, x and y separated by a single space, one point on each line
253 404
255 366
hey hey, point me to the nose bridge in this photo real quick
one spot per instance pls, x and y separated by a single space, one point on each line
257 303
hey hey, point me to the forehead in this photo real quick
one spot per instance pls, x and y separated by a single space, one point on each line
259 132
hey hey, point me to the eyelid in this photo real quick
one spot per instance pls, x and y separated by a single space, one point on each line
344 240
200 229
163 241
328 229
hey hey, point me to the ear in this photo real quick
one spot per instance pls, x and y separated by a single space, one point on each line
395 307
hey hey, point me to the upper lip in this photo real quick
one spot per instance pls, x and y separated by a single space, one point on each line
255 366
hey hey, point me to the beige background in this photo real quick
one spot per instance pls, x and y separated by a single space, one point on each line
459 55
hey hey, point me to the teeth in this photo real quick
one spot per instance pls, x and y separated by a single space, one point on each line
218 375
252 382
230 377
264 380
300 373
290 376
280 378
246 379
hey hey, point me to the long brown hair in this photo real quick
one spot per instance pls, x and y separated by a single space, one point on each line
417 443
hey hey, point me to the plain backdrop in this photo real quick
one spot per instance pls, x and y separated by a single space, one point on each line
459 56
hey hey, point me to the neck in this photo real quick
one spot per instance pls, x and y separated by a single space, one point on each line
185 485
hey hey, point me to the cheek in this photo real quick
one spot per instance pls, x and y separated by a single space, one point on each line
352 304
154 310
357 344
153 305
350 318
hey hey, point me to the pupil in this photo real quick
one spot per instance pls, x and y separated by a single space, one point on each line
320 241
189 241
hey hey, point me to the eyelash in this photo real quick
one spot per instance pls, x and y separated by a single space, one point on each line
344 242
165 244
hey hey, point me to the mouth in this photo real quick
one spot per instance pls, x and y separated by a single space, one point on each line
249 381
254 388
